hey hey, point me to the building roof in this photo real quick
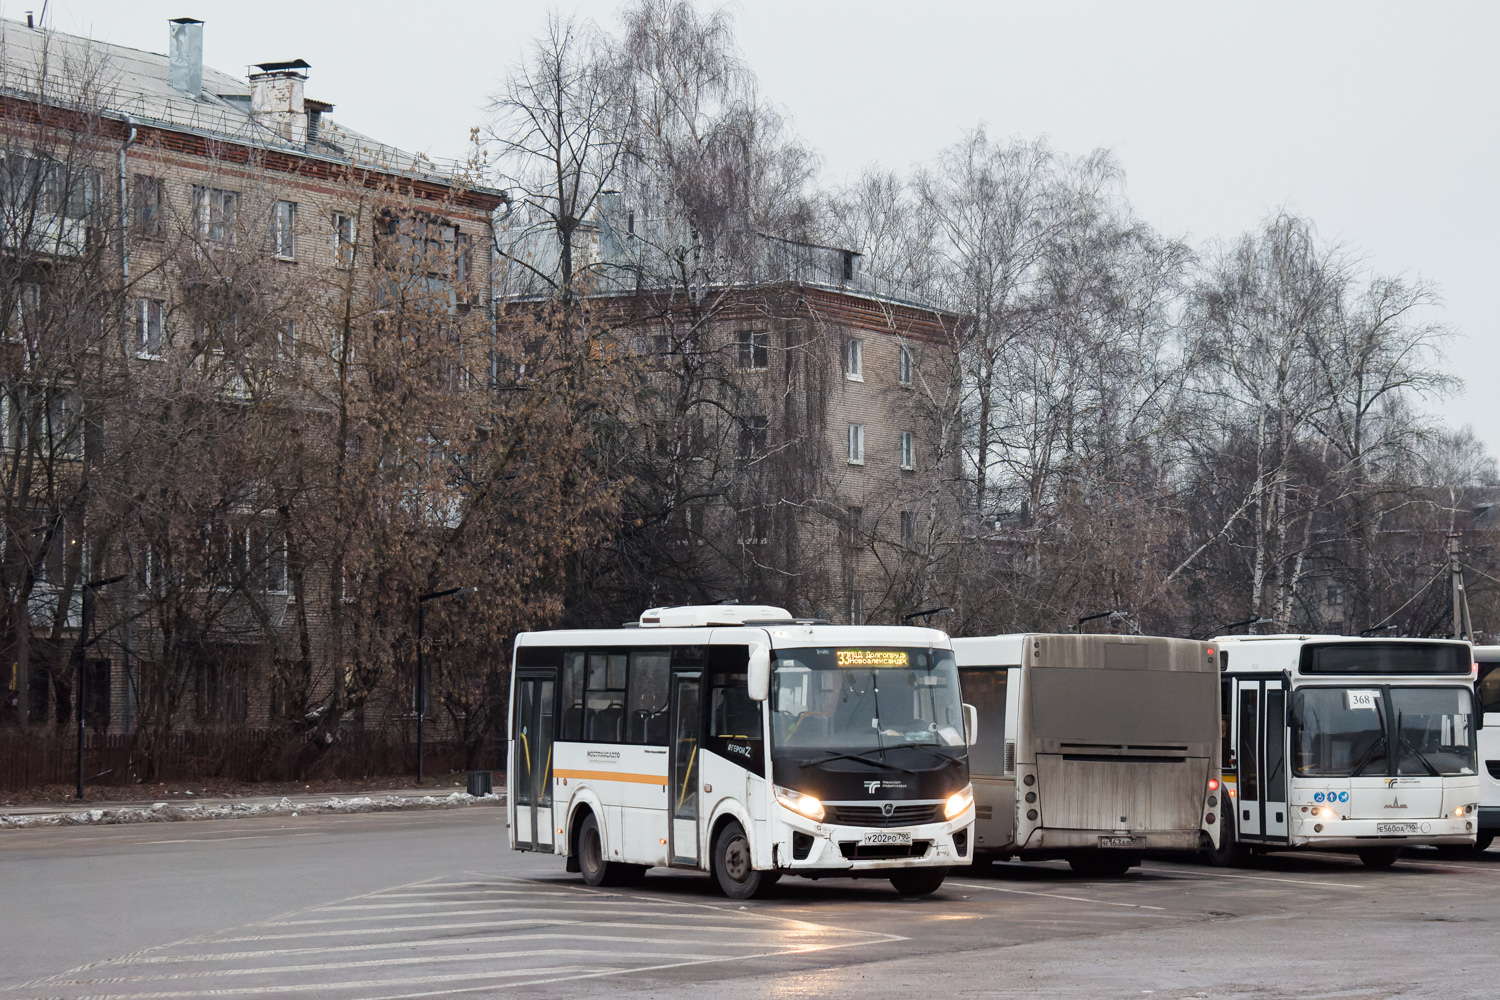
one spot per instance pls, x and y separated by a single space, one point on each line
75 71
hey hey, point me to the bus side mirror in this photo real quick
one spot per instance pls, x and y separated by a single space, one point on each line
759 673
971 723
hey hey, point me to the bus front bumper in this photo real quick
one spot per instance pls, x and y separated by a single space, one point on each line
1347 834
804 847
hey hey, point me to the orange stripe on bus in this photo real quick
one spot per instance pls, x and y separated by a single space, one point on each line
639 779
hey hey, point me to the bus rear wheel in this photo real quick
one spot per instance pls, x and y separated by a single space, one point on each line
595 870
1230 853
918 881
1379 857
1103 864
732 865
1482 842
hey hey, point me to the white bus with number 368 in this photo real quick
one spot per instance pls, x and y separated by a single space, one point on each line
738 741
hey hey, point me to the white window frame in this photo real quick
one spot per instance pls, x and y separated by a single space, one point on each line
908 449
854 360
216 208
856 444
903 364
141 344
284 230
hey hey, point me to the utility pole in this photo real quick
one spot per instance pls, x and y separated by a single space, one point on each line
1463 628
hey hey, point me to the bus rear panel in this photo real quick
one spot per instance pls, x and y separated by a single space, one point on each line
1092 745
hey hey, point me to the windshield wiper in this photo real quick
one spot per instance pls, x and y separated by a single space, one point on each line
926 749
834 755
1368 756
1407 744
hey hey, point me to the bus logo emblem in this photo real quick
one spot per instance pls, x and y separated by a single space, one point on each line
870 786
886 808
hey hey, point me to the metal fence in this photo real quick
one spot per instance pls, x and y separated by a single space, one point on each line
28 760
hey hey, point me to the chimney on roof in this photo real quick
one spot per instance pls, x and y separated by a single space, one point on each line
276 98
186 56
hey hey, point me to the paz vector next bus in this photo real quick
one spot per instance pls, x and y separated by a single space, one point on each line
738 741
1092 748
1347 744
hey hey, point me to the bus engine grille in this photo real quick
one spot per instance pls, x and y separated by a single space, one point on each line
901 815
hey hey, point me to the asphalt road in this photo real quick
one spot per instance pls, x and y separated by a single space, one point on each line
432 904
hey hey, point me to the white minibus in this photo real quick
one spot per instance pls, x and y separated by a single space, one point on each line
735 740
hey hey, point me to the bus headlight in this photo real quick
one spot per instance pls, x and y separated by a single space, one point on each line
958 802
800 802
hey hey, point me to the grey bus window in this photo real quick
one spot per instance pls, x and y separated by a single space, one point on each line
984 688
1249 785
1436 730
1275 745
731 712
1489 687
570 726
1339 732
646 720
604 704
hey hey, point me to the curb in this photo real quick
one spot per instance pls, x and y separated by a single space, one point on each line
171 812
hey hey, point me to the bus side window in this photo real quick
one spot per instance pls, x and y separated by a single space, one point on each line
984 688
1249 785
646 721
570 726
604 707
732 714
1489 687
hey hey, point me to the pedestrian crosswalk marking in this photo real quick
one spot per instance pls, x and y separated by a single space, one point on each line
397 943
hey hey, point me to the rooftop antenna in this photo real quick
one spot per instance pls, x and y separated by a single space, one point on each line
906 619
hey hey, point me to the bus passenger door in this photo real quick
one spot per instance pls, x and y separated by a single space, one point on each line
1273 760
682 791
1247 740
532 752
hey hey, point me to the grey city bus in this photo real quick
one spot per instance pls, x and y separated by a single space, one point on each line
1092 748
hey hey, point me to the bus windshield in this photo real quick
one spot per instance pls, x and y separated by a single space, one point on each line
860 699
1353 731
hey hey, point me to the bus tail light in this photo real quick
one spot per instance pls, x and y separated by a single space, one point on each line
1213 784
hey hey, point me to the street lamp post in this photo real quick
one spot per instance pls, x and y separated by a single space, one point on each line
421 666
84 642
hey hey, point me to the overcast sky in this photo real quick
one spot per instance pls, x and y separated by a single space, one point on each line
1374 119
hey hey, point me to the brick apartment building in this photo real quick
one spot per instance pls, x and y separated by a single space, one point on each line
822 478
184 178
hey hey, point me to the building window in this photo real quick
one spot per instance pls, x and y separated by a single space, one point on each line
856 444
755 349
25 313
216 211
752 438
908 526
903 365
343 239
147 333
284 230
908 450
854 360
1335 594
853 533
286 339
146 207
755 526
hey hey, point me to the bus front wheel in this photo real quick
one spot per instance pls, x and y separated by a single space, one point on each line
732 865
918 881
1482 842
1379 857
